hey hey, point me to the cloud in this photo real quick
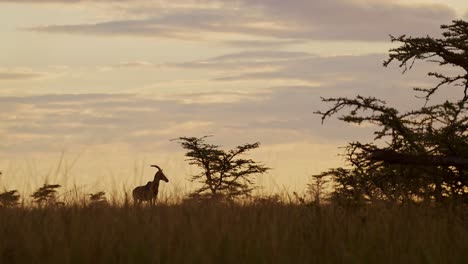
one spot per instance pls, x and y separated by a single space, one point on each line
134 64
293 66
349 74
247 59
19 74
47 123
269 112
255 44
273 19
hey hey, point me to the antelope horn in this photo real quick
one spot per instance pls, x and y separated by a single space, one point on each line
156 166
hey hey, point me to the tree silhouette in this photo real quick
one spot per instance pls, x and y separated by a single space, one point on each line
316 188
46 194
223 173
9 198
425 151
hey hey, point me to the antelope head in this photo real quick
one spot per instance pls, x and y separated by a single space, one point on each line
160 174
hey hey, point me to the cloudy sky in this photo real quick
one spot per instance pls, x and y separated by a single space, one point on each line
106 84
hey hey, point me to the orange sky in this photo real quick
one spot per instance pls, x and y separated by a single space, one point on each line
109 83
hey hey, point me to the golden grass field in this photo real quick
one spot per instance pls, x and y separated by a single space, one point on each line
268 232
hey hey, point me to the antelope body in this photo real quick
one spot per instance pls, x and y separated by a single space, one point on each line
149 192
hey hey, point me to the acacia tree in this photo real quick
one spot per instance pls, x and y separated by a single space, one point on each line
223 173
425 151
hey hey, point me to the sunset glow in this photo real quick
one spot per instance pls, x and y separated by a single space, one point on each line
92 92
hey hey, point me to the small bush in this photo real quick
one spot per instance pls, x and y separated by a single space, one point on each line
9 198
47 194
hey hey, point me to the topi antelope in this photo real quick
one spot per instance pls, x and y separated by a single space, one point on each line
149 192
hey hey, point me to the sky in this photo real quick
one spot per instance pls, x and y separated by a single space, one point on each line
92 92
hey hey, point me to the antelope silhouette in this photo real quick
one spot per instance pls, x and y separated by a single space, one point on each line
149 192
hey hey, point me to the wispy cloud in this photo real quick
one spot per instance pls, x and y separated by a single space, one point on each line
134 64
248 59
19 74
303 20
50 122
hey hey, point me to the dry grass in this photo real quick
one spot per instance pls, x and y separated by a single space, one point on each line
266 233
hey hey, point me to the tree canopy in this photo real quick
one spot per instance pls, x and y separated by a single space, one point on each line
420 154
223 173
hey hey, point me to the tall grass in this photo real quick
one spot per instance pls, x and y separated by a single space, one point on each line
268 232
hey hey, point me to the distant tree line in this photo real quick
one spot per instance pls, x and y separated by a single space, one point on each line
45 196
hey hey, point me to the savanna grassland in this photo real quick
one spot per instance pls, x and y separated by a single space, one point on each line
264 232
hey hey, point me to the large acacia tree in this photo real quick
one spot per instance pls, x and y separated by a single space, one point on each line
222 173
419 154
